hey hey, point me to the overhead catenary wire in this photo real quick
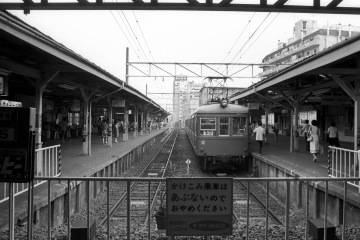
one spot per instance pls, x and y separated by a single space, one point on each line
135 44
236 41
147 45
259 36
250 37
125 35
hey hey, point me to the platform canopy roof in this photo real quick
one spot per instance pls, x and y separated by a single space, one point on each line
26 54
313 6
330 74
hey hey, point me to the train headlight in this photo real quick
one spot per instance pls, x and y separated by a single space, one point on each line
223 102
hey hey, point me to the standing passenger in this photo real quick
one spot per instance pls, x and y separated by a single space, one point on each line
333 135
116 130
306 129
259 135
314 143
149 127
104 131
276 130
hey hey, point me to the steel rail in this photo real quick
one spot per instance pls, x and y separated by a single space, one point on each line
272 214
115 207
152 205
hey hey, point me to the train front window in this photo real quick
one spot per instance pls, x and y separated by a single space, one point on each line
224 126
239 126
207 126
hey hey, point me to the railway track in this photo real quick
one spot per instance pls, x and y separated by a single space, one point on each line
259 207
139 209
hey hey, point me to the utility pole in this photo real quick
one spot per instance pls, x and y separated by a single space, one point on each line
127 66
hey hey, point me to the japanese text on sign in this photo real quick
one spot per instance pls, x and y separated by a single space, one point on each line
200 196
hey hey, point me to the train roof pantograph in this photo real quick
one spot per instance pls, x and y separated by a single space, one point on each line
217 109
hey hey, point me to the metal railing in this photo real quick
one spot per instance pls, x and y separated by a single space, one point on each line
344 163
47 164
107 180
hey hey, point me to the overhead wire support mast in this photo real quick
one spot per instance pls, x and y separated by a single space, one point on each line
186 65
225 5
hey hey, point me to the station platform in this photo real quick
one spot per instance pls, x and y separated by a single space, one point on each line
299 162
75 164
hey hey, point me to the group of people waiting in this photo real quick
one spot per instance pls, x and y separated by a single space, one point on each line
312 139
311 136
117 127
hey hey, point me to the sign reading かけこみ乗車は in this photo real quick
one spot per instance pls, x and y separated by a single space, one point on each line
199 207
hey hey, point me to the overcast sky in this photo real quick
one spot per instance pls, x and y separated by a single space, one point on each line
171 36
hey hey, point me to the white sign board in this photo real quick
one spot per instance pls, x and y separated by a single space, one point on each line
199 206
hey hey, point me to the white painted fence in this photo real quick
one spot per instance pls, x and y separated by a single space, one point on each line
344 163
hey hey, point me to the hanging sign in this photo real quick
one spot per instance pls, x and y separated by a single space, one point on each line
6 103
118 103
75 107
335 100
4 91
199 206
253 105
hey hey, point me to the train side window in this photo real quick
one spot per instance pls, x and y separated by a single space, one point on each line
224 126
207 126
239 126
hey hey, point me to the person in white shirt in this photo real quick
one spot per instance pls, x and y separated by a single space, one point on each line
333 135
259 132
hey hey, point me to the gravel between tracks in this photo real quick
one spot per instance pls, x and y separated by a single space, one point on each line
181 153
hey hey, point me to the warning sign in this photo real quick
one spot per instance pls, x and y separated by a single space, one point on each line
199 206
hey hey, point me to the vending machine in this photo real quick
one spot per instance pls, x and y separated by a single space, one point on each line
17 144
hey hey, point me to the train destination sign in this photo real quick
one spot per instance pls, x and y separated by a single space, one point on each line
199 206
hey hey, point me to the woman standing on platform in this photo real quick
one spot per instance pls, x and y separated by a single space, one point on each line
314 143
305 130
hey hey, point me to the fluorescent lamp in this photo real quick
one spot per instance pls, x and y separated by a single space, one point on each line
66 86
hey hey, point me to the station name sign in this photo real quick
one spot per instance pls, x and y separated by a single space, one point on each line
253 105
335 100
199 206
118 103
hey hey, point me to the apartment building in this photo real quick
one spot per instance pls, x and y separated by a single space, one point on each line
186 98
307 40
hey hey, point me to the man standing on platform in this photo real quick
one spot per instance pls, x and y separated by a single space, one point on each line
259 132
305 130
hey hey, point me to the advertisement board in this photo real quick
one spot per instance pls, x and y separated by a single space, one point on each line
199 206
17 144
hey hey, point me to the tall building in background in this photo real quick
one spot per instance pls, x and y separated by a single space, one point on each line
307 40
179 85
185 98
191 99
